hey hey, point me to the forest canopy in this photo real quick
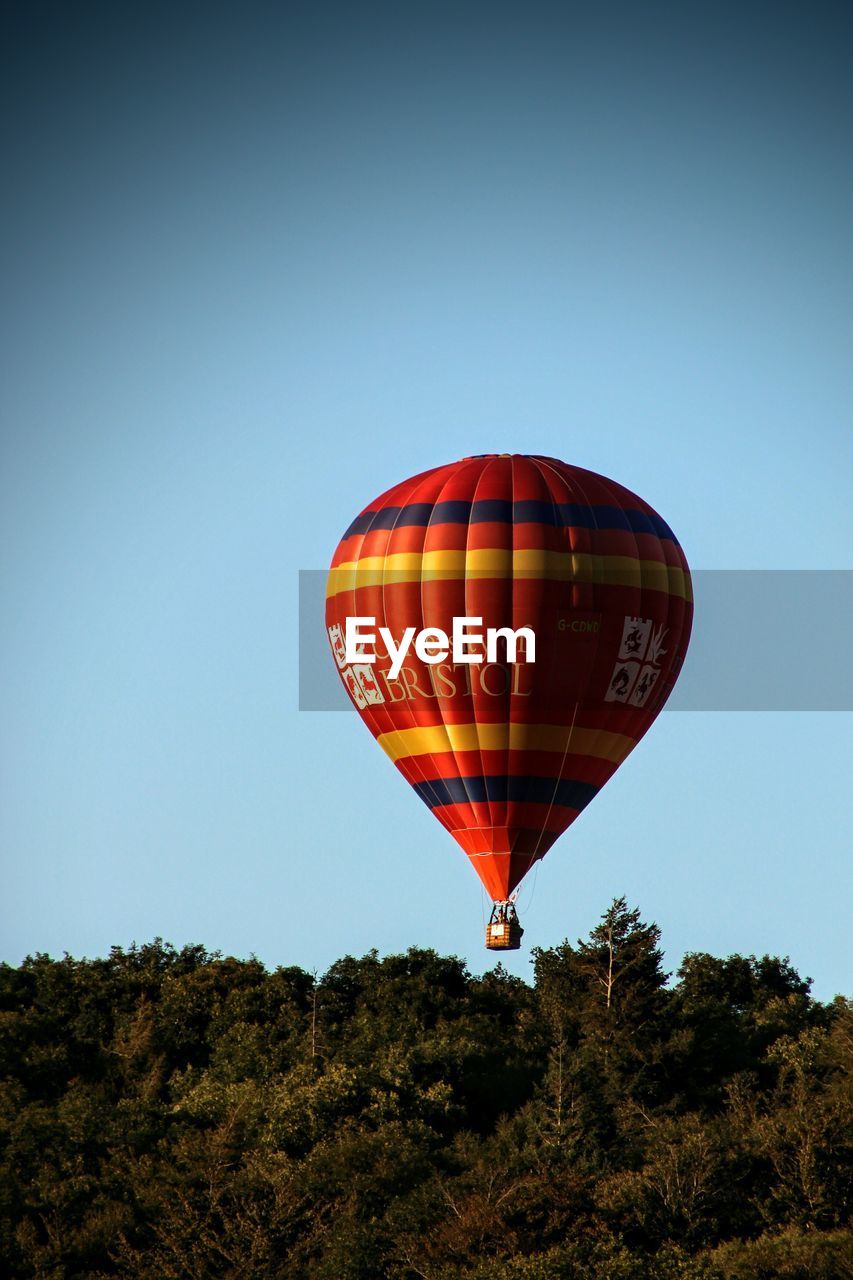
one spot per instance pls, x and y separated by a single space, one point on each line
179 1114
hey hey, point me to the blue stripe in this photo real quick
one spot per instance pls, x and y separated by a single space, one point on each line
395 517
498 511
502 787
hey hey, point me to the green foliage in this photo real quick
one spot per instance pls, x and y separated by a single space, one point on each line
791 1254
178 1115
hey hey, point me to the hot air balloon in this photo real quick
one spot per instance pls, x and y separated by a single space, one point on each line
507 753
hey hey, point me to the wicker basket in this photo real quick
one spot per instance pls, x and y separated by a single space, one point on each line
505 936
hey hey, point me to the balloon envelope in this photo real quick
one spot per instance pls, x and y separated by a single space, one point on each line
506 755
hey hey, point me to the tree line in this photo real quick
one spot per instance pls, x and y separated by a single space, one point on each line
175 1114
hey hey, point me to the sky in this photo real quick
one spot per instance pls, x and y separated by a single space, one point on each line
261 262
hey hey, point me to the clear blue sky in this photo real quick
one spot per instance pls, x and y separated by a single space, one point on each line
261 262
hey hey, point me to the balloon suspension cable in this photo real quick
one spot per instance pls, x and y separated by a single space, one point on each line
529 892
503 909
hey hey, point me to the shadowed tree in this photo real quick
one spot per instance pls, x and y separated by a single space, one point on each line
168 1114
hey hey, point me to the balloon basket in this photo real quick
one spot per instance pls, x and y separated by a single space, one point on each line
503 932
503 937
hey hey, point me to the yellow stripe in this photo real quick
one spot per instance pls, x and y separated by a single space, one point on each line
432 740
562 566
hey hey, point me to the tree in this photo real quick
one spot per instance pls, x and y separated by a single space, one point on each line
177 1113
